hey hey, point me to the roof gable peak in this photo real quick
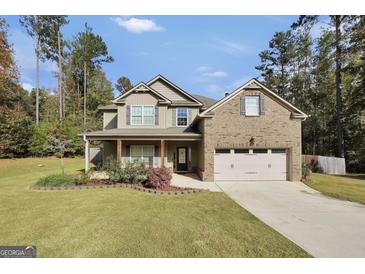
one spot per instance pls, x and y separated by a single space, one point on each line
174 86
141 87
253 84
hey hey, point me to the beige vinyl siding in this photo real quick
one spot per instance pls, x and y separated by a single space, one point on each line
109 119
141 99
168 91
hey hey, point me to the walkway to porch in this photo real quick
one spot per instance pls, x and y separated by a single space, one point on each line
192 180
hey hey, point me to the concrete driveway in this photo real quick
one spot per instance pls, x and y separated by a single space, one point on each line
322 226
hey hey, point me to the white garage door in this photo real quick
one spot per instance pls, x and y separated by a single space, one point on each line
250 164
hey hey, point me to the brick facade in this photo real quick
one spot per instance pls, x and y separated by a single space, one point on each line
229 129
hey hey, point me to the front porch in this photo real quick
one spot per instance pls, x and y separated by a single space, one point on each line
179 153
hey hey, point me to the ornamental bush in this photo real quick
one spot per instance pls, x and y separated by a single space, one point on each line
132 173
135 172
56 180
306 171
159 178
114 170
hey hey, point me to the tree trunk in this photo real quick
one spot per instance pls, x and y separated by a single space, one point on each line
84 96
339 103
60 76
37 84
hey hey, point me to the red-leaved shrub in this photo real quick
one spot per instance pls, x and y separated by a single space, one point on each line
159 178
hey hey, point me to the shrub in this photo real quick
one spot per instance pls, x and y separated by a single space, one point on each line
134 172
56 180
314 166
114 169
306 171
82 179
158 178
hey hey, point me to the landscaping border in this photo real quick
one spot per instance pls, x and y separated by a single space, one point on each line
131 186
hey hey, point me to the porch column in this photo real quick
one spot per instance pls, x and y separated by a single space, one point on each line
162 152
86 155
119 150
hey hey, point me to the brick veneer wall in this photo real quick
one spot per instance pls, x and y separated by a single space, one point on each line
229 129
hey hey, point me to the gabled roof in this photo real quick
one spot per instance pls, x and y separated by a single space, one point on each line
160 77
207 102
109 107
253 83
141 87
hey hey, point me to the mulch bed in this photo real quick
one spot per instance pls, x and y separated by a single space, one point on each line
105 184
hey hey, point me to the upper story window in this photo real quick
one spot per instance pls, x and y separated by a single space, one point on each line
181 117
252 105
142 115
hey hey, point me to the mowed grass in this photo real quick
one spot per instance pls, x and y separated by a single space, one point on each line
346 187
125 222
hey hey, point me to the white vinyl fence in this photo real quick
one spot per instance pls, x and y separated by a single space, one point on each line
329 165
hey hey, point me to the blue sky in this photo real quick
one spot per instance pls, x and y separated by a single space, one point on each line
207 55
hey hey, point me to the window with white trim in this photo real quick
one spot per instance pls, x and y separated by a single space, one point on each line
252 105
142 153
181 117
142 115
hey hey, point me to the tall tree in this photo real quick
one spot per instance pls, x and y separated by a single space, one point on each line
45 31
123 84
355 100
89 52
276 62
337 21
15 125
9 77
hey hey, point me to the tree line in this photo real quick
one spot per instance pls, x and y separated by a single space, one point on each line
30 122
324 77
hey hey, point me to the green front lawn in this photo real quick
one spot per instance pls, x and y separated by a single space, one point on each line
345 187
125 222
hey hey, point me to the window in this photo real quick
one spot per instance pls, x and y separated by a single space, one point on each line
241 151
252 105
278 150
222 151
259 151
148 115
142 153
181 117
143 115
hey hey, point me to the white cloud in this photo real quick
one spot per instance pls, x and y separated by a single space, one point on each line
203 69
229 47
136 25
215 74
27 86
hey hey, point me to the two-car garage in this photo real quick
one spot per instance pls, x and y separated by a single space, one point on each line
250 164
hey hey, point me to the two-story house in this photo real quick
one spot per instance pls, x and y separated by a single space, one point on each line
250 134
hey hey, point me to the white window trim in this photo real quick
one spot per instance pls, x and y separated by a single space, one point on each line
153 153
187 116
142 124
259 106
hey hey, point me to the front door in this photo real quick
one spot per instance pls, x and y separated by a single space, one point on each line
182 159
